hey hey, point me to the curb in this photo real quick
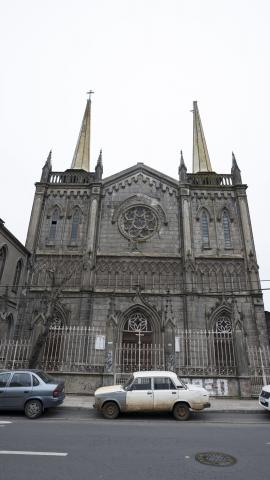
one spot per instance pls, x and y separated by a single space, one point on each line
213 410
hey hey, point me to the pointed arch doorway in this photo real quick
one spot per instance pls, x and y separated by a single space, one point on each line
138 348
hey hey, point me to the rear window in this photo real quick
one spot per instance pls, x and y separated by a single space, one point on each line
163 383
46 378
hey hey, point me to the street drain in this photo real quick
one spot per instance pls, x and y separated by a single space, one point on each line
217 459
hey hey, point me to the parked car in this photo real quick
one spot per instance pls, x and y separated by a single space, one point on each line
154 391
29 390
264 398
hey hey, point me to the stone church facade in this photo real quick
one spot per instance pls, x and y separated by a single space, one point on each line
145 257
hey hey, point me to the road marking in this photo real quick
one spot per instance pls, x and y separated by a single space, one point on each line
4 422
17 452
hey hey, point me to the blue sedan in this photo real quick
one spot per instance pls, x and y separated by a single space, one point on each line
30 391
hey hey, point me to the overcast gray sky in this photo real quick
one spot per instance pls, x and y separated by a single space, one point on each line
146 60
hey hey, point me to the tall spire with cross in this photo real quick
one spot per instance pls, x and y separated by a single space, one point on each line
201 160
81 157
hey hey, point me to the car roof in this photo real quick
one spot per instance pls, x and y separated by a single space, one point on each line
154 373
31 370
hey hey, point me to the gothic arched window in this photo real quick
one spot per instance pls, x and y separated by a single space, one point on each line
76 218
205 229
3 257
17 276
54 222
226 229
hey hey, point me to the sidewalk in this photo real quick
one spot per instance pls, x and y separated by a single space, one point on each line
217 404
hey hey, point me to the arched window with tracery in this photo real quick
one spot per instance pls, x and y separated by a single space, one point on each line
205 229
137 328
17 276
76 219
226 229
224 353
3 257
54 224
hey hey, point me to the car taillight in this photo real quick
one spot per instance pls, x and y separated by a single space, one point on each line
56 393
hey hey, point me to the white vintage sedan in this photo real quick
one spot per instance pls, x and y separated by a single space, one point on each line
153 391
264 398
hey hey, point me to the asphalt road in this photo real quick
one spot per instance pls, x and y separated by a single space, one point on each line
79 445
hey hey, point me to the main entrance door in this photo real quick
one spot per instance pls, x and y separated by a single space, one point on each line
137 350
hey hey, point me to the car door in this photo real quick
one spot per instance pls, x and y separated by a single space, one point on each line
165 393
4 378
140 395
18 390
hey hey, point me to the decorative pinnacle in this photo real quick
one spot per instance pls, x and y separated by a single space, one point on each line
100 156
181 157
234 162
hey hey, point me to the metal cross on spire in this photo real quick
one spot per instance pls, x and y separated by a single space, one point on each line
90 93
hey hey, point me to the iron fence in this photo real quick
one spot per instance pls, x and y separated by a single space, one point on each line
259 368
198 354
74 349
14 353
204 353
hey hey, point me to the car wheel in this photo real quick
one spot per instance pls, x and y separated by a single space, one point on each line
33 409
181 411
110 410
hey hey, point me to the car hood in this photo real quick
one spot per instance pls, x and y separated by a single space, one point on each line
266 388
110 389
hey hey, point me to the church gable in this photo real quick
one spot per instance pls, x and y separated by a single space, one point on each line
156 181
139 214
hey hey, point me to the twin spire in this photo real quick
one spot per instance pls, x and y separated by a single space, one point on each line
201 160
81 158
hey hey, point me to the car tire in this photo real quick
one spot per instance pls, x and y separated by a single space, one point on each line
110 410
33 408
181 411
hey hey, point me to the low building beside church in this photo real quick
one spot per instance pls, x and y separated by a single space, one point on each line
14 264
152 271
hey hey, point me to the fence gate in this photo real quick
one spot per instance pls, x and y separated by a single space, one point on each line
132 357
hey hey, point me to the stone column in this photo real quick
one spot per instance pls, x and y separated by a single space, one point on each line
186 238
169 347
35 218
91 238
246 224
92 225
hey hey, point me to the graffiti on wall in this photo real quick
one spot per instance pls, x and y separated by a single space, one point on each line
214 386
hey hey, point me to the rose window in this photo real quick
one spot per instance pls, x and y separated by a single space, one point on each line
138 222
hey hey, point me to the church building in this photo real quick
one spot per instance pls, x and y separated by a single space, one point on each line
163 268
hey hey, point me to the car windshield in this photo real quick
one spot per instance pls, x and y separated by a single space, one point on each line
46 378
181 381
129 381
